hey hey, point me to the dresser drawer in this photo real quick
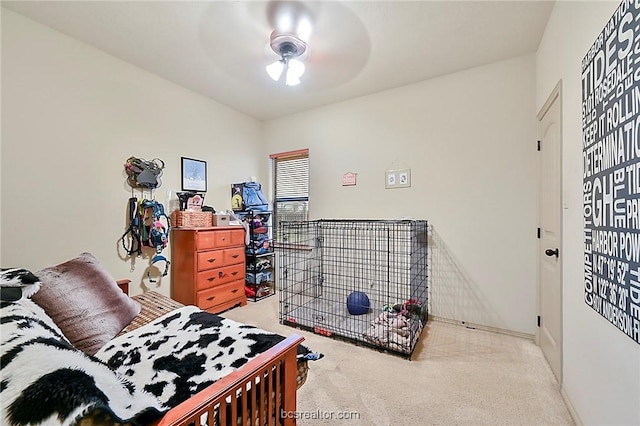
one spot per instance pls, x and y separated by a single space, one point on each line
218 258
219 239
205 240
237 237
210 259
223 239
221 294
215 277
234 255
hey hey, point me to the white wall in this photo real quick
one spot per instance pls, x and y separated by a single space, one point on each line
71 116
469 139
601 365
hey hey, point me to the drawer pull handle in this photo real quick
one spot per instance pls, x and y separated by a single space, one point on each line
234 290
211 260
235 256
234 273
211 278
220 274
211 298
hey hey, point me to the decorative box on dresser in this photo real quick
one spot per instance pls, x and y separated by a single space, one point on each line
208 267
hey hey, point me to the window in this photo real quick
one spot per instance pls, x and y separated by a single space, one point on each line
291 178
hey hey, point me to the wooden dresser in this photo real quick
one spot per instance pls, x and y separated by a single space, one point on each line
208 267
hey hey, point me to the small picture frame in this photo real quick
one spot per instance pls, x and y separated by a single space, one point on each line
390 179
397 178
194 175
404 178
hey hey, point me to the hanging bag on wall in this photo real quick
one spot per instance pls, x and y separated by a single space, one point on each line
142 173
253 198
156 227
149 226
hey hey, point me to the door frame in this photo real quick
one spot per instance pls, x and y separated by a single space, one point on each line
556 94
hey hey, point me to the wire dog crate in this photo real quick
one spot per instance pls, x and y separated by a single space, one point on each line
365 281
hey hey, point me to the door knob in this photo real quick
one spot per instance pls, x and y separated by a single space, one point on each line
550 252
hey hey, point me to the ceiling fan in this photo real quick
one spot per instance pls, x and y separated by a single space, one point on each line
291 50
243 38
293 23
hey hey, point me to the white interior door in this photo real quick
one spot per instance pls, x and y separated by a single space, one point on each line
550 233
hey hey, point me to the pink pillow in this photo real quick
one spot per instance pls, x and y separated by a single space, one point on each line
85 302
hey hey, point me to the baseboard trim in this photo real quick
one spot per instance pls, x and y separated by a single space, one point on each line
483 327
572 411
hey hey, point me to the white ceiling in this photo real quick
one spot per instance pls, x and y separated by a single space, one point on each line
220 48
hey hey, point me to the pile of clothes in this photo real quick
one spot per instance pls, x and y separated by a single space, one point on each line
398 327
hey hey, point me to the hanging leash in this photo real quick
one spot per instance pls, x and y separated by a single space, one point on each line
133 231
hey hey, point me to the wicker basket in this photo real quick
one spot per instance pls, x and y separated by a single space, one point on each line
185 219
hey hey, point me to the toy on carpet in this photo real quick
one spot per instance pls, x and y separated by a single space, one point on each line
358 303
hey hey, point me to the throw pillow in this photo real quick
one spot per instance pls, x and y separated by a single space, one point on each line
85 302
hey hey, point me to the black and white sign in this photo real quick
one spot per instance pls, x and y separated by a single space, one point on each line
611 170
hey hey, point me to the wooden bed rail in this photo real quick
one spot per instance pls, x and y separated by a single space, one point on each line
260 388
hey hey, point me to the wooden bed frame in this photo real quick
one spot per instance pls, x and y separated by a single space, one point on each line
261 392
276 369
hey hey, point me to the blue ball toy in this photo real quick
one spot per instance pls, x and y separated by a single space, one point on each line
358 303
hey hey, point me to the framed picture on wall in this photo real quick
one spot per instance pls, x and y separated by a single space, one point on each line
194 175
398 178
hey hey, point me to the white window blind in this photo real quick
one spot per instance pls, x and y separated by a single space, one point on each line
292 179
291 187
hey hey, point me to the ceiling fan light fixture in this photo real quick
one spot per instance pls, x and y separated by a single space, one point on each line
291 80
295 68
292 50
275 69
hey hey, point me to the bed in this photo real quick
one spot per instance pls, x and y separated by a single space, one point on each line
167 365
271 369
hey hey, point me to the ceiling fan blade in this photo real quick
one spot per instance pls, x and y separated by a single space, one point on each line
229 27
295 17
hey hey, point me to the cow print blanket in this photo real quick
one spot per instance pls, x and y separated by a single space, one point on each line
135 378
185 351
45 380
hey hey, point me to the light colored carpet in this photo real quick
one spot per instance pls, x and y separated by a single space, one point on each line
457 376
